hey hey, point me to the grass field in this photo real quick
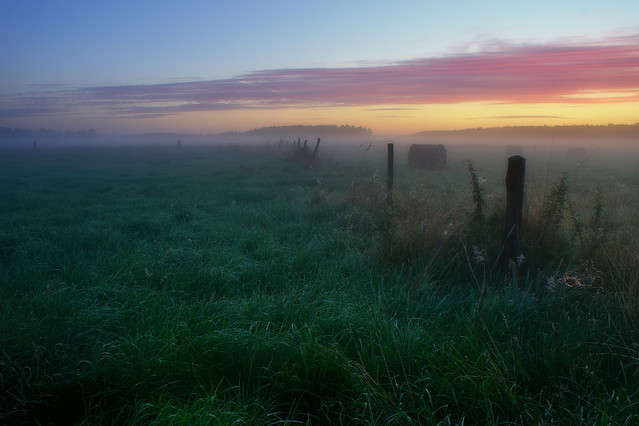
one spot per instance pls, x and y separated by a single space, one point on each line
218 285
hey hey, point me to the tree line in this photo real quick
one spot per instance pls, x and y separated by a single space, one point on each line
616 131
18 134
321 131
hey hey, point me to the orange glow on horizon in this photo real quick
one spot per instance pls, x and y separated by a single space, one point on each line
390 120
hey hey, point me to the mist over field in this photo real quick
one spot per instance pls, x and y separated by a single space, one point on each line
617 137
263 280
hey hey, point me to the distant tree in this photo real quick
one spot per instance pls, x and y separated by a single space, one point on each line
325 130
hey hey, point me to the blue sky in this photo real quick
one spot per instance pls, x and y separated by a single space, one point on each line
82 45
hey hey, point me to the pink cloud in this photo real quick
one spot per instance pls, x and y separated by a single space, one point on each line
542 73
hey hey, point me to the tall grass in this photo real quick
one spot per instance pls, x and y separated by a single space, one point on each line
208 286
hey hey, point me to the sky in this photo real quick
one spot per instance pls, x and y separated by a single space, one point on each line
397 67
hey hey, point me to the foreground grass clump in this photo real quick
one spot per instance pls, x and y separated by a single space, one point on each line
207 286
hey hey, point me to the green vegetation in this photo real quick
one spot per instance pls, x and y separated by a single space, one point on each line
217 286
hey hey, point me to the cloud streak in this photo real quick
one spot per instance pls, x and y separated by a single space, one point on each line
567 72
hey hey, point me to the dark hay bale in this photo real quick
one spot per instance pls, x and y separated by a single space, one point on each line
427 156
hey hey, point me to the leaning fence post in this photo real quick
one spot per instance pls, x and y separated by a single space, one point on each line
389 174
514 207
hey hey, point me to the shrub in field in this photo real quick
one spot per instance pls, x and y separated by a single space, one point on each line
484 225
567 231
555 206
591 231
478 218
544 234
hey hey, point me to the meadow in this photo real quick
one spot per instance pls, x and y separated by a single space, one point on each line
225 285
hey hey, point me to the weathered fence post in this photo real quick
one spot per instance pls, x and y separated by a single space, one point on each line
316 147
514 207
389 174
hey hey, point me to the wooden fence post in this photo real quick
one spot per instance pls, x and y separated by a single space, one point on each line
389 174
514 207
